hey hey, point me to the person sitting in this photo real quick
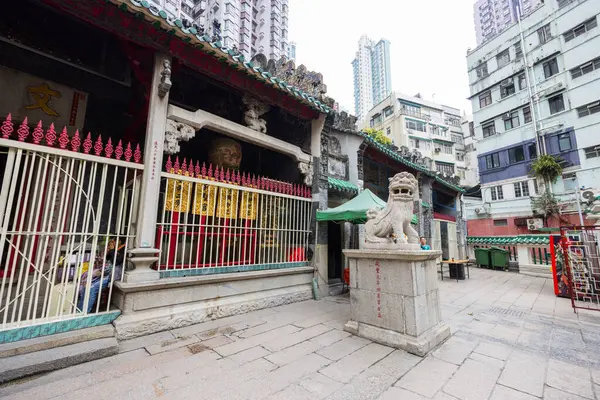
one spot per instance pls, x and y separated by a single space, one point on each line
102 275
424 245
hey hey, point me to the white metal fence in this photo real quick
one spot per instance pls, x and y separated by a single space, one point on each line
221 220
65 209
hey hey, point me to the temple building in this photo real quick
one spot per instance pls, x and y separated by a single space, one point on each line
153 178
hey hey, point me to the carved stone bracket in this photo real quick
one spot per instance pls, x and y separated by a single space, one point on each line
254 110
165 79
306 169
176 132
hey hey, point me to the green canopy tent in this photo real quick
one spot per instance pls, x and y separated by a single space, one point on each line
355 210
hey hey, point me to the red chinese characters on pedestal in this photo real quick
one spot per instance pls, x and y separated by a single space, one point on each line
378 288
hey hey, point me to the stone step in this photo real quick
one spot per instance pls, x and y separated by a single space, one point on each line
23 365
541 271
57 340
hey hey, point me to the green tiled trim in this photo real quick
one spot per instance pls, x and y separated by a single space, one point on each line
509 240
342 185
179 273
158 18
420 138
51 328
397 157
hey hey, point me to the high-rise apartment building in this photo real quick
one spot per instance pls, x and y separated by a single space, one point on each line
494 16
372 75
252 26
435 130
535 89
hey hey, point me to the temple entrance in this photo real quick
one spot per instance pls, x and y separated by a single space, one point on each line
334 249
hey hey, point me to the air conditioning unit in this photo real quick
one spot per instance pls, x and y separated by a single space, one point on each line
588 195
535 224
437 149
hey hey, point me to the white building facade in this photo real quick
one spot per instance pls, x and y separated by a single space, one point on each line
372 75
494 16
559 91
252 26
434 129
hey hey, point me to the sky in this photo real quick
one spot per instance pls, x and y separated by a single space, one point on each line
429 42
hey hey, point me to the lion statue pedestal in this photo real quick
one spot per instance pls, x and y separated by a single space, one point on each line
394 291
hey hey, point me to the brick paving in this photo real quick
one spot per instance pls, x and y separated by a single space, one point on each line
512 339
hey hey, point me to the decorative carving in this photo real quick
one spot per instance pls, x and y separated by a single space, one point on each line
334 146
306 169
337 167
176 132
225 153
165 79
405 152
309 82
359 159
387 228
255 109
344 121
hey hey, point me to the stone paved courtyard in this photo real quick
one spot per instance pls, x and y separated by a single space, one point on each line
512 339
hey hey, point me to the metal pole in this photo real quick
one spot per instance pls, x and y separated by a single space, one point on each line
578 199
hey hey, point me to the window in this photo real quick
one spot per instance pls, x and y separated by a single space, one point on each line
492 161
481 70
411 110
444 168
562 3
544 34
580 29
526 115
388 131
588 109
388 111
556 104
485 99
536 188
592 152
416 125
518 51
550 68
503 58
461 173
522 81
511 120
500 222
564 142
507 88
489 129
457 138
586 68
522 189
460 156
516 154
497 193
435 130
532 150
447 148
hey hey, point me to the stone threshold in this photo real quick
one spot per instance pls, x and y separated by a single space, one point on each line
169 283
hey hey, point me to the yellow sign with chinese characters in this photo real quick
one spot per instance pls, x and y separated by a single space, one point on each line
205 198
249 206
41 96
228 203
177 196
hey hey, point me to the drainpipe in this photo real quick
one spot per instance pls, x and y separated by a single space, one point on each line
578 199
533 104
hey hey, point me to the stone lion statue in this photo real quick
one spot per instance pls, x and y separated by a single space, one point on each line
390 225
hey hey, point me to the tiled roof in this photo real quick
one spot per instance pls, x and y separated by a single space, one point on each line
342 185
397 157
509 240
159 19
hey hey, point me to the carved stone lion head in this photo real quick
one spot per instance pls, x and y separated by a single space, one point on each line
403 187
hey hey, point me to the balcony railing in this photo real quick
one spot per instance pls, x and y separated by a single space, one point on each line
415 114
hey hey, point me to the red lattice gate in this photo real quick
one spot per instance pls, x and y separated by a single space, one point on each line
581 251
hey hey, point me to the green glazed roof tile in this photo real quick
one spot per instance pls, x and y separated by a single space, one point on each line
510 240
342 185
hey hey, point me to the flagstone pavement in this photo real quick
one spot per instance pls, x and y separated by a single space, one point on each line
512 339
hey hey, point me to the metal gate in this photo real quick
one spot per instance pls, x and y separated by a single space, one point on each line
581 255
65 208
